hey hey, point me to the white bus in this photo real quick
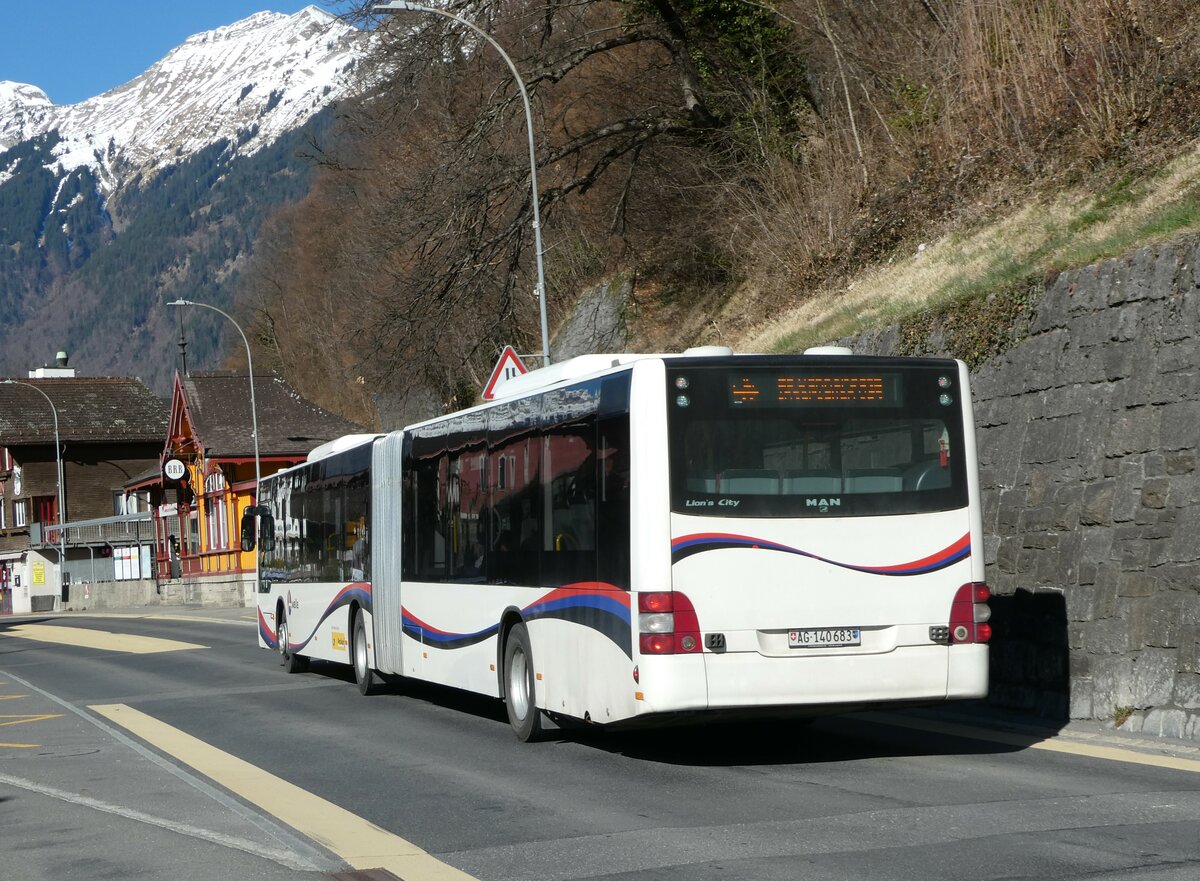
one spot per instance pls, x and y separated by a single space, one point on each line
626 538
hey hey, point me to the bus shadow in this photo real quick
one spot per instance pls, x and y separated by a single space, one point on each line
426 692
829 739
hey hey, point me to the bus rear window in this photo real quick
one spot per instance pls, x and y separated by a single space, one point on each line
816 442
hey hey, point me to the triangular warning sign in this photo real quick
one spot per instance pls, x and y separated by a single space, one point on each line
508 367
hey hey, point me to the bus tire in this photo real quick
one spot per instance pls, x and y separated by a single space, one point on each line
364 676
292 662
519 695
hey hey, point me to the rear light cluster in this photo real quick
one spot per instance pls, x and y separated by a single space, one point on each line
667 624
970 613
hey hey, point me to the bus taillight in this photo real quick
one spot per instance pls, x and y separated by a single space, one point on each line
667 624
969 614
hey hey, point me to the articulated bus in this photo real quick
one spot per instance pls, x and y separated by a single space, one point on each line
625 539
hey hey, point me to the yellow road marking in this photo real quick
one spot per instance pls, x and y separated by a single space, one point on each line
12 697
19 745
23 720
98 639
360 843
1056 744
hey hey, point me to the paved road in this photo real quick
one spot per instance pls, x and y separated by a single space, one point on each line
203 759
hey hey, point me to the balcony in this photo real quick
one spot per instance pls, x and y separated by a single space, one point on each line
124 529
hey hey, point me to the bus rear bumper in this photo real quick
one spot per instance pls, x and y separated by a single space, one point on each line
747 680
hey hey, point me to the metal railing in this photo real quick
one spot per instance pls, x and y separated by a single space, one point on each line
135 528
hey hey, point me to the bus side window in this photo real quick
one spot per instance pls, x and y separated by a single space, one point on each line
612 505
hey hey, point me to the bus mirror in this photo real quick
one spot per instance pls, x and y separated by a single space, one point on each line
248 528
266 529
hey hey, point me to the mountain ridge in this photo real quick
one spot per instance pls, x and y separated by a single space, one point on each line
270 70
155 189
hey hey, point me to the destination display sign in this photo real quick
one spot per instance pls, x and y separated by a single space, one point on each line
810 389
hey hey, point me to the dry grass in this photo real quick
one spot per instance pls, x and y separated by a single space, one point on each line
1072 229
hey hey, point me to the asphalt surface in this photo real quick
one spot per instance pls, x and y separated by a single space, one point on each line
877 796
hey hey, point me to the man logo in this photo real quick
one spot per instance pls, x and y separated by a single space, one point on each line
823 505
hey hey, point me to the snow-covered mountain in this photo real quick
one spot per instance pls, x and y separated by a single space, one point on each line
157 189
250 82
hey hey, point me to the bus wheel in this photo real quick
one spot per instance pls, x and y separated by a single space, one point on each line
519 694
292 663
368 682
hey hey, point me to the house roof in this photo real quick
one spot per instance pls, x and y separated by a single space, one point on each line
219 406
92 409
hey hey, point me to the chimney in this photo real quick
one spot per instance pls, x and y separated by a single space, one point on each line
59 371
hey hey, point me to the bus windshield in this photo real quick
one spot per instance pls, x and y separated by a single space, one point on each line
816 441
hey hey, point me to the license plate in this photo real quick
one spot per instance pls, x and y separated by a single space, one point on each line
824 637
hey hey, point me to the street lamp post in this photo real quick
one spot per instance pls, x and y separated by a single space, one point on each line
62 508
405 6
250 367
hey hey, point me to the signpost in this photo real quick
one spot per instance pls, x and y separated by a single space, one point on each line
509 367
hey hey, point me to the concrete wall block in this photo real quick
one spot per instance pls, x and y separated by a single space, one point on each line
1165 625
1193 727
991 545
1132 279
1090 334
1180 463
1189 656
1164 283
1155 492
1187 691
1112 676
1036 523
1165 723
1055 306
1179 425
1136 584
1096 507
1049 440
1008 554
1185 546
1039 363
1089 287
1129 550
1134 430
1153 678
1108 578
1181 577
1000 447
1136 323
1106 637
1081 699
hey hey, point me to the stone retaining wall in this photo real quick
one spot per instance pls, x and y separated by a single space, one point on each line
1088 439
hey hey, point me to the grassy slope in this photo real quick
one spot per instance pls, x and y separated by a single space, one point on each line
1074 228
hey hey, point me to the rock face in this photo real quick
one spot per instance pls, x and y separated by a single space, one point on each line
1088 434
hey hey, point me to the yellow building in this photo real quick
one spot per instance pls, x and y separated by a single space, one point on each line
210 441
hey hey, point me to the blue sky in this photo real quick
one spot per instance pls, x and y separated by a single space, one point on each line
76 49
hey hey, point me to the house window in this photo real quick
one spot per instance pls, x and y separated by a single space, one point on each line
20 512
45 509
6 459
118 503
3 514
216 511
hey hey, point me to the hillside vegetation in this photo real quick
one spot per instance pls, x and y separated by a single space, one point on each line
766 173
